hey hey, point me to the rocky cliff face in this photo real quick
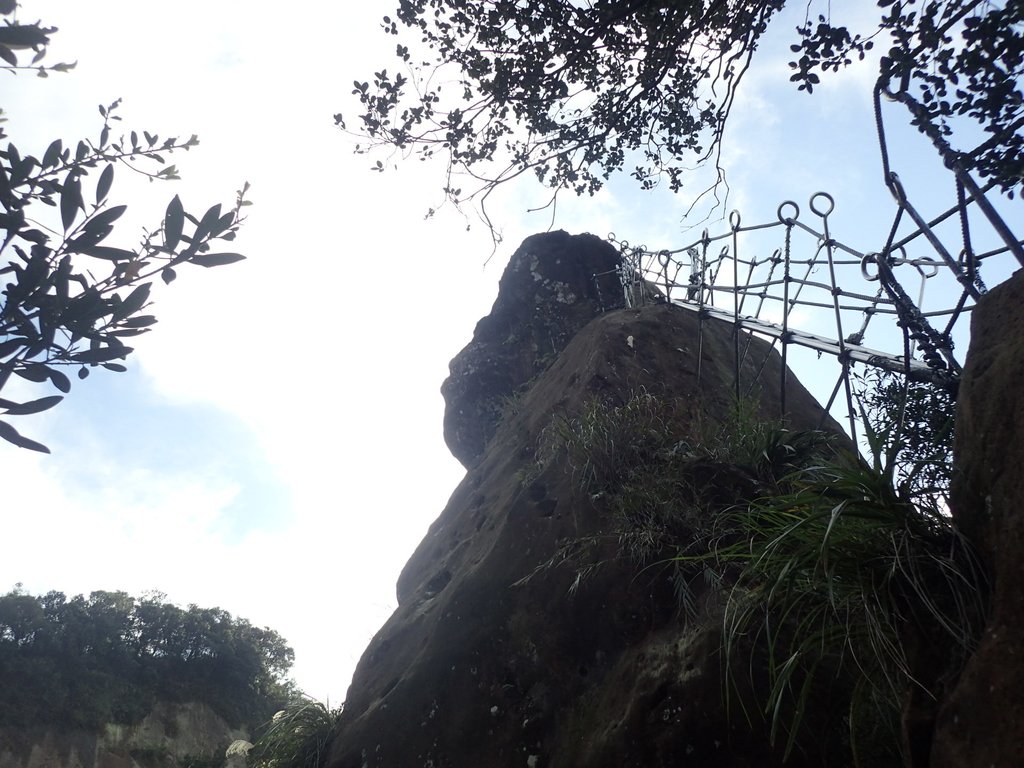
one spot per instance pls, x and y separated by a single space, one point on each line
482 666
171 736
982 722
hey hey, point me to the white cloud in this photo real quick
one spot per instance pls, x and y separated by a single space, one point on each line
319 358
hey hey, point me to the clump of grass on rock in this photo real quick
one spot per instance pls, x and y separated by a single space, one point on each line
842 576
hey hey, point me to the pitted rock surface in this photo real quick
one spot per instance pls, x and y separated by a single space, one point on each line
981 723
478 667
554 284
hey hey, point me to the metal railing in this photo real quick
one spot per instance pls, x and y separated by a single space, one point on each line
794 284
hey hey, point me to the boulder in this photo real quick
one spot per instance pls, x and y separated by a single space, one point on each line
981 723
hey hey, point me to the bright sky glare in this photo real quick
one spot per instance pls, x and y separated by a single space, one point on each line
275 448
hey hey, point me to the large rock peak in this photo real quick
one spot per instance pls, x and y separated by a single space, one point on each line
492 659
554 285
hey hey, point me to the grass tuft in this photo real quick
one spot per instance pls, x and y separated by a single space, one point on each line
296 737
839 575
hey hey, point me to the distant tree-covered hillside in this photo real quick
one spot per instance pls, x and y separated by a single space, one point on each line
85 661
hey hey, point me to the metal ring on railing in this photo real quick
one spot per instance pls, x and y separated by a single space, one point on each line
869 258
734 220
896 187
927 261
814 204
788 219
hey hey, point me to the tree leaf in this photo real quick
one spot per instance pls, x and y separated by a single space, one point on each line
168 275
101 355
70 200
207 223
110 254
107 217
32 406
90 236
34 372
33 278
12 345
34 236
60 381
225 221
174 222
103 185
142 321
25 35
215 259
52 155
133 303
10 434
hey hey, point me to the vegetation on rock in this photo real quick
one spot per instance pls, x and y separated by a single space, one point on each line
914 424
846 586
296 737
82 662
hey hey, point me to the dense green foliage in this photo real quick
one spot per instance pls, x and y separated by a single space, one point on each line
956 64
86 661
914 424
71 300
576 91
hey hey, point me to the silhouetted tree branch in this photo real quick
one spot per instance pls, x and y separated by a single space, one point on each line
576 91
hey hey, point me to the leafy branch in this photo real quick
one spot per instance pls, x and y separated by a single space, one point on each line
570 92
71 298
574 92
15 38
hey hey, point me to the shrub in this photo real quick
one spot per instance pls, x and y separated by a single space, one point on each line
836 580
296 737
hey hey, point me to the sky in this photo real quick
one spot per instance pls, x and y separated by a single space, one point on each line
276 447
